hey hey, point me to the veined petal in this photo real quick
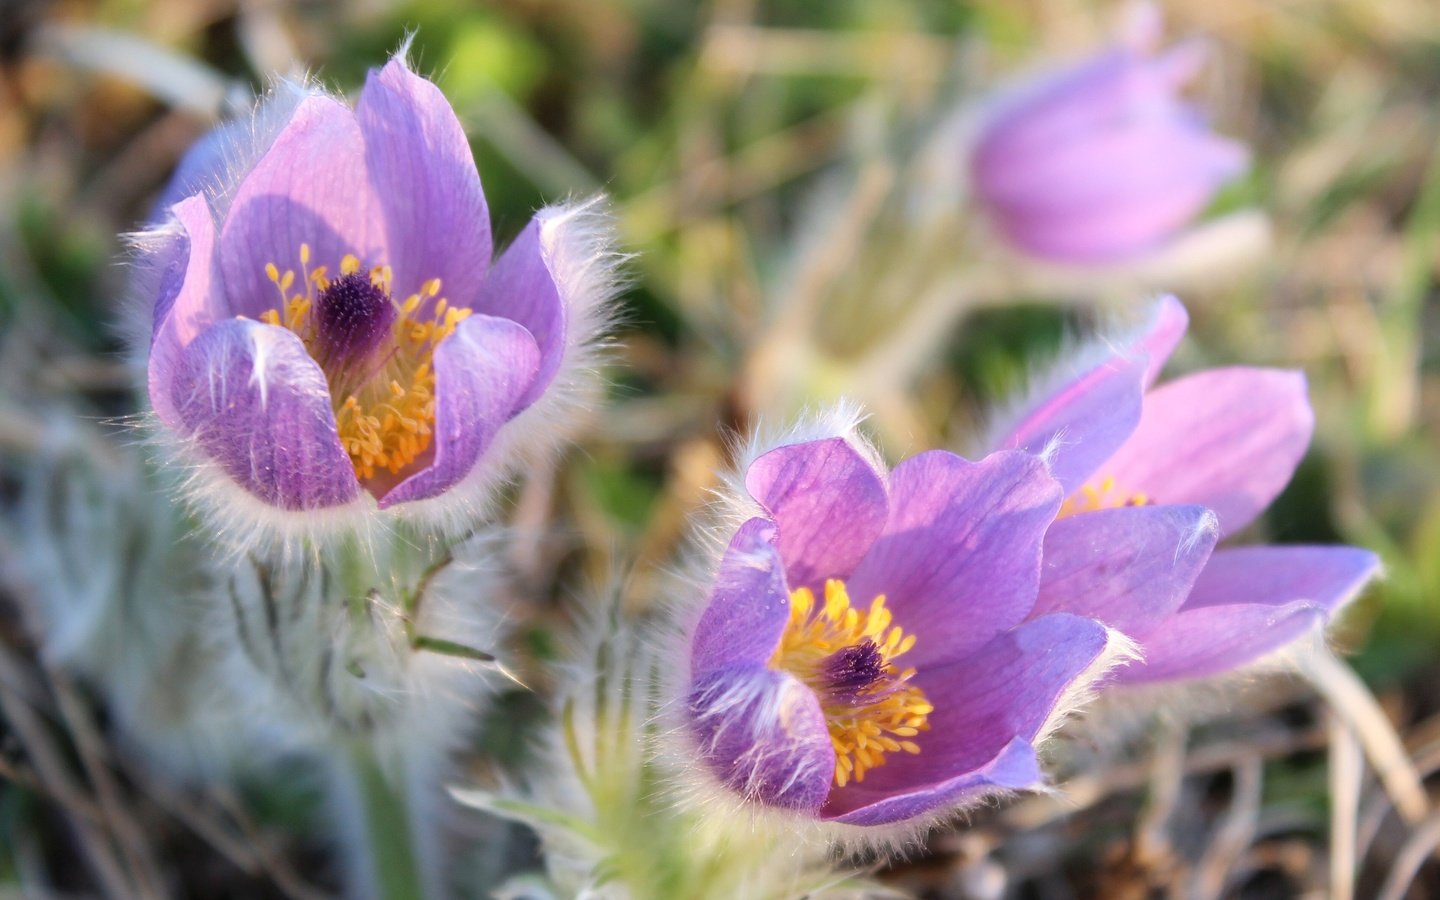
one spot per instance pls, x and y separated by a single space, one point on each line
1248 602
189 298
763 734
523 286
749 605
828 503
481 372
1014 768
1083 423
1131 568
200 168
984 705
255 403
311 187
436 220
1228 439
959 559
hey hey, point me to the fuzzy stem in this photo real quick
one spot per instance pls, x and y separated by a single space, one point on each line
393 869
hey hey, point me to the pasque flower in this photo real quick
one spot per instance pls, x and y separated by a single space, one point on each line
864 657
1101 161
329 332
1153 477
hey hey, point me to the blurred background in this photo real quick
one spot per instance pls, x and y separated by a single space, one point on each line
764 160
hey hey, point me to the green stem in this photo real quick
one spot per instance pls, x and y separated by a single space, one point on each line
391 853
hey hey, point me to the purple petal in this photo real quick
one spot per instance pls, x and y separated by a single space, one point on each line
1066 105
749 605
1249 602
959 558
828 502
310 187
200 169
1167 326
254 401
1084 422
188 298
762 733
437 222
522 286
1130 568
1228 439
1014 768
481 372
1134 219
984 704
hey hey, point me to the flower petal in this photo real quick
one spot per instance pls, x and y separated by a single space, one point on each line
310 187
1131 568
749 605
1228 439
1014 768
200 169
829 505
763 734
188 298
1004 693
1168 325
256 404
1248 602
1084 422
423 172
481 372
959 559
523 286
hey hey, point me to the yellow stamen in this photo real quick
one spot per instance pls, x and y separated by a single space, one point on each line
864 720
1092 497
384 423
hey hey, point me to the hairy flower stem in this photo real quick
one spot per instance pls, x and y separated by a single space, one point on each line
394 872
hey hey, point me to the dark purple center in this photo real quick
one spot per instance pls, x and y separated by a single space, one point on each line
352 319
851 670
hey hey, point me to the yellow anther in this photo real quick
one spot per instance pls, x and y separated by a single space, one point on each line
864 722
384 423
1092 497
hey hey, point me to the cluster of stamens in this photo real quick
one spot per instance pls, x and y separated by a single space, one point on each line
1102 496
382 385
846 656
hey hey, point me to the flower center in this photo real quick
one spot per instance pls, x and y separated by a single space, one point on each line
846 657
377 355
1093 497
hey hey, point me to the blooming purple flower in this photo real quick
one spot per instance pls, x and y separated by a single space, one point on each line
1102 161
329 332
1154 477
868 654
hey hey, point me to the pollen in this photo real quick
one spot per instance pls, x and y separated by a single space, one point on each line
383 393
846 655
1104 495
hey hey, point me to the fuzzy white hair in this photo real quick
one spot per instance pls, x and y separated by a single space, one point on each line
1078 355
577 246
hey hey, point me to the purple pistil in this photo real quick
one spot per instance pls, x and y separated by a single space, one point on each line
353 317
851 671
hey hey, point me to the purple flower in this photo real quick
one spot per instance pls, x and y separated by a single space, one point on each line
1154 477
865 657
1103 161
329 332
